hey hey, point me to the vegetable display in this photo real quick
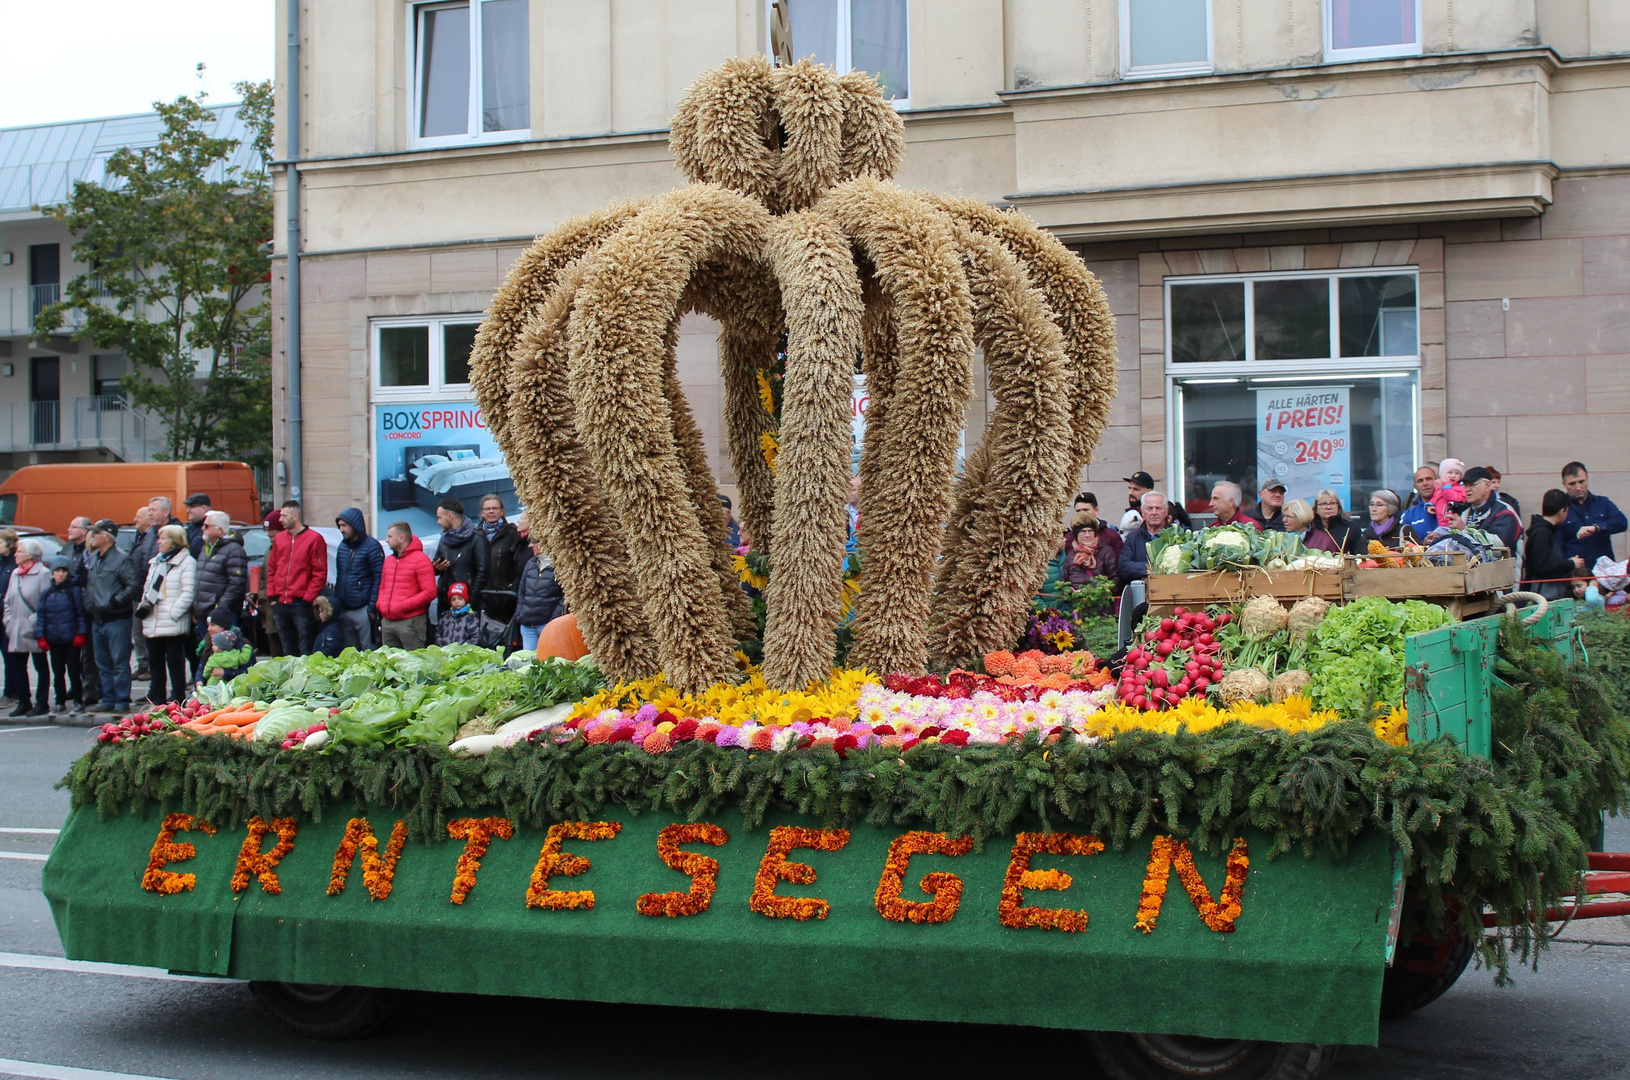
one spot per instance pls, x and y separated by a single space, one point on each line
1357 652
1179 659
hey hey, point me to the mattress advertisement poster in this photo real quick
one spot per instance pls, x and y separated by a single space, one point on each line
1303 438
424 453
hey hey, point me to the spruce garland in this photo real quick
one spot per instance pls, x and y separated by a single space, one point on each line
1508 833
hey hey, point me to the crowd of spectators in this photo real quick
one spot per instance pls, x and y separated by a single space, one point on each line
178 593
1559 547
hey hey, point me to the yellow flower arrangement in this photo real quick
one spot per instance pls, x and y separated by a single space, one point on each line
750 701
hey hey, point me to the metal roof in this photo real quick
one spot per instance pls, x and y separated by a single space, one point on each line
39 163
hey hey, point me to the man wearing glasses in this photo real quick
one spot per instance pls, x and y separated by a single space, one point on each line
1488 513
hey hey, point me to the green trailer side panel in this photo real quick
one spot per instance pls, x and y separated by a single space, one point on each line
1304 964
1450 675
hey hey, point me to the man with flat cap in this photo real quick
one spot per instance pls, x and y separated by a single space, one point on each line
1269 511
1487 512
197 507
1138 485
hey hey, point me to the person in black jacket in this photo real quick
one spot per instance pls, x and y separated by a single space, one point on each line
222 578
64 630
504 544
358 563
1543 561
1332 531
540 597
462 554
111 587
197 511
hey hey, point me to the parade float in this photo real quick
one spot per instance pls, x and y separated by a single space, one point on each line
1291 806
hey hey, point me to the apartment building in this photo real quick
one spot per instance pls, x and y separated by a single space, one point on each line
1340 237
60 399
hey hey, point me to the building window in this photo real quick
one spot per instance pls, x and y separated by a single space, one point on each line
852 35
1312 379
416 357
471 80
1371 29
1165 38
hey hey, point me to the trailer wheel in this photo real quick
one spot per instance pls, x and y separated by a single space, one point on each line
326 1012
1422 972
1176 1057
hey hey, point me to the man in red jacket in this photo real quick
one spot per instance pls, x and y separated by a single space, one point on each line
407 584
296 571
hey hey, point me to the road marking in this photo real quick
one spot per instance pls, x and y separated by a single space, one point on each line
25 856
35 962
13 730
32 832
65 1072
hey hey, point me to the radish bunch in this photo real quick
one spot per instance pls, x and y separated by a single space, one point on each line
1179 658
299 736
135 726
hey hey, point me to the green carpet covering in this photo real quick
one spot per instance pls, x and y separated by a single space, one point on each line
1304 964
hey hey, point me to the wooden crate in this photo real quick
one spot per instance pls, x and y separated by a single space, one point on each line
1231 586
1464 589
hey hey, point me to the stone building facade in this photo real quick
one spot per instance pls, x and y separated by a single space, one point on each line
1426 218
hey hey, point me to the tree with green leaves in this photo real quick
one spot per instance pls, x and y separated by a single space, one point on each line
178 282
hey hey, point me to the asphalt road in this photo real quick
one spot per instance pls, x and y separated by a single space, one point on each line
1566 1021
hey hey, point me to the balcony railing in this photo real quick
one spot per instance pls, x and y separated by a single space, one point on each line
20 305
41 296
85 423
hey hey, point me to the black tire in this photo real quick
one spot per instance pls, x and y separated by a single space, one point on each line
1422 972
1182 1057
326 1012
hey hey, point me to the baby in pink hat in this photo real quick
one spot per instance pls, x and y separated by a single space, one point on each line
1448 488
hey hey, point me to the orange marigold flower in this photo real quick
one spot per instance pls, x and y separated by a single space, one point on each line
999 662
378 872
552 862
477 834
702 870
1164 855
263 864
775 868
946 889
166 851
1011 910
1059 664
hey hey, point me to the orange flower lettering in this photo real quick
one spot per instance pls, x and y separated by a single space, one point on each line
775 868
263 864
378 872
946 889
477 834
1011 910
702 870
1165 854
166 851
553 861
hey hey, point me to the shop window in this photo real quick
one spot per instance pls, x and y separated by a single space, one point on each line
853 35
1165 37
413 356
471 75
1371 29
1309 379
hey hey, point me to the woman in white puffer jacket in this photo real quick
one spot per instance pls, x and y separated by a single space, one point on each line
171 582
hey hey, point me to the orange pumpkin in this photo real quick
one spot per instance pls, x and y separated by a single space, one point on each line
560 637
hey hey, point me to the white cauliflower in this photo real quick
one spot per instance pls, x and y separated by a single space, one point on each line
1171 560
1232 542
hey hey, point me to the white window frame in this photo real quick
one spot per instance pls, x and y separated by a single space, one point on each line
843 58
1322 368
436 387
473 135
1333 55
1164 71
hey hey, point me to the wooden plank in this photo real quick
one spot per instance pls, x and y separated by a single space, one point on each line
1228 586
1418 582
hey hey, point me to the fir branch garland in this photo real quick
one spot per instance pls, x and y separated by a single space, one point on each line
1509 833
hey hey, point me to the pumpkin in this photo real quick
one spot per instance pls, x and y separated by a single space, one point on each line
560 637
